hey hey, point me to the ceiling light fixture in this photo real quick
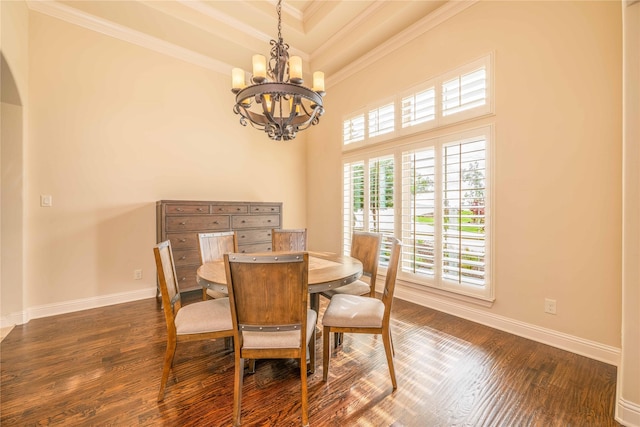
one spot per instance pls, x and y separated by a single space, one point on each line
277 102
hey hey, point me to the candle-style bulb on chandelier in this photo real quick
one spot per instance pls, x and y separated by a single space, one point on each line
277 102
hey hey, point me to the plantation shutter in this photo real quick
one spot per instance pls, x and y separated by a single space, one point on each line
464 92
381 202
419 107
353 130
418 211
353 201
463 212
381 120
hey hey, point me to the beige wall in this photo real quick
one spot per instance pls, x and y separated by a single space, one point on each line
557 194
115 127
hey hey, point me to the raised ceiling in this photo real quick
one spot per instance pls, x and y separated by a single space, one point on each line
328 34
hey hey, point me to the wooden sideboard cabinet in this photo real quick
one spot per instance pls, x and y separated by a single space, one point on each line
180 221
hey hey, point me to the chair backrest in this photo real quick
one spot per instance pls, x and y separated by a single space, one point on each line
165 266
365 247
214 245
267 292
392 274
291 240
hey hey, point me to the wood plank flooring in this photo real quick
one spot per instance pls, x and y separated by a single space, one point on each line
102 367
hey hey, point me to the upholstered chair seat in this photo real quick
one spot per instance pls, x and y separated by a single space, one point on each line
284 339
206 316
354 311
359 287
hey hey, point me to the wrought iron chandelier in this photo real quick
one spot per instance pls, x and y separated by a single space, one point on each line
277 102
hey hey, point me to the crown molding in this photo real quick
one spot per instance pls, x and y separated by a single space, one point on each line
103 26
440 15
85 20
334 39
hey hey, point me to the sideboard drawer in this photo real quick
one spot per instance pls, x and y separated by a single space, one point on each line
183 240
255 221
188 257
265 209
229 209
186 209
198 223
253 236
256 247
186 278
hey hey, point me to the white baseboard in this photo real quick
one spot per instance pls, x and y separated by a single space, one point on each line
627 413
75 305
587 348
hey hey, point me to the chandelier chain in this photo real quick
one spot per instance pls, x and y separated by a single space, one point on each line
279 8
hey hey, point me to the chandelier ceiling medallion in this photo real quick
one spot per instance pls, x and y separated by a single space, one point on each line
277 102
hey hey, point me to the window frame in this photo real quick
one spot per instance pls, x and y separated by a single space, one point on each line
440 120
437 281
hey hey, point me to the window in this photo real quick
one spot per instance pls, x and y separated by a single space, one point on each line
381 120
353 129
419 107
464 92
455 96
463 211
432 194
369 203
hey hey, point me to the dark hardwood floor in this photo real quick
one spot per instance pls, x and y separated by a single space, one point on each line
102 367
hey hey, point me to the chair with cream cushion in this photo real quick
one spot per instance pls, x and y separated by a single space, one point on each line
365 247
202 320
363 315
268 296
289 240
212 247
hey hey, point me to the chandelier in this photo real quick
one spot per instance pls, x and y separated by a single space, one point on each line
277 102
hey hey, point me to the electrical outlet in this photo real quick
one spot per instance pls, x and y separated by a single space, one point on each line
137 274
550 306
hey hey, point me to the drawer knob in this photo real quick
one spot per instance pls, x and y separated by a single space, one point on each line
182 279
243 221
273 209
183 257
242 237
183 240
215 222
200 209
183 223
268 220
179 209
220 209
238 209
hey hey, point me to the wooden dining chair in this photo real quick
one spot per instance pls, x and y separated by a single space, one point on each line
289 240
365 247
268 296
212 247
363 315
202 320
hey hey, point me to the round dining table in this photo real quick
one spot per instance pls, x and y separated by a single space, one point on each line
327 270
